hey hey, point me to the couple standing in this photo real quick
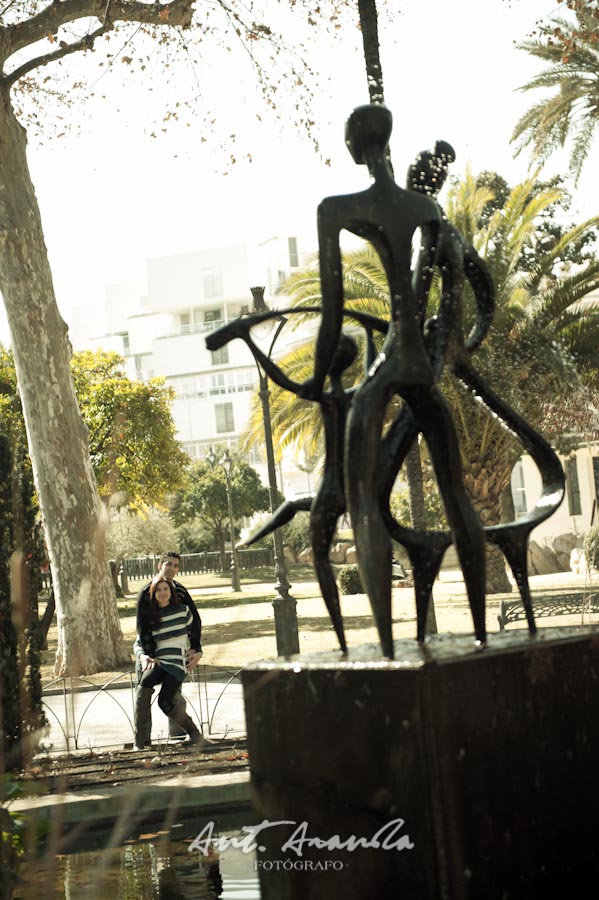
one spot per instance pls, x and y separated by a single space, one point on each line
167 648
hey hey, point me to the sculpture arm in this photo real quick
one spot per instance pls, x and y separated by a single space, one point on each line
240 328
482 285
331 281
424 268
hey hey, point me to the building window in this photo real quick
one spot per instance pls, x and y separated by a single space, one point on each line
220 357
255 456
518 489
224 418
192 450
217 384
212 280
241 381
573 487
187 389
293 254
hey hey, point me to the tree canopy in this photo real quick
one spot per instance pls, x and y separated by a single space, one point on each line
177 41
570 114
136 458
133 448
205 497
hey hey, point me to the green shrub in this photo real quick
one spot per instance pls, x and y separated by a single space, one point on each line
591 547
349 580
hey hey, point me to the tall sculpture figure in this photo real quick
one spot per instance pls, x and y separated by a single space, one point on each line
361 463
457 260
389 217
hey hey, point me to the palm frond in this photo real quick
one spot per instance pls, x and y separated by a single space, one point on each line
571 113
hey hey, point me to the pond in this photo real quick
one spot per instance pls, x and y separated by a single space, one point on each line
150 865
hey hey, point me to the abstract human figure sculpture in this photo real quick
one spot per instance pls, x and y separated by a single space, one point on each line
457 261
448 348
362 463
329 502
389 216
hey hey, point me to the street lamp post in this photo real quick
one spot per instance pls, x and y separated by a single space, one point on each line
226 464
284 605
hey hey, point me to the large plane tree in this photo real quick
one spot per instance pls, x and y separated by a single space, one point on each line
36 37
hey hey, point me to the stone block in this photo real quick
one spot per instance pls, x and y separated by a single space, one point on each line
479 768
565 543
338 552
542 560
351 557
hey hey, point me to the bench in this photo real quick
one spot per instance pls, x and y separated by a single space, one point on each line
548 605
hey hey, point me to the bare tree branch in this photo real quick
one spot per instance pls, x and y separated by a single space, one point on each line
61 12
85 43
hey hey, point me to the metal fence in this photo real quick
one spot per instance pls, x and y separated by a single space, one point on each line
84 715
144 567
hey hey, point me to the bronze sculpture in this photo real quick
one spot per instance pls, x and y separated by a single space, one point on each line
360 464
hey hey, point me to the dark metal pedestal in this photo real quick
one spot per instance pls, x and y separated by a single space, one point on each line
491 759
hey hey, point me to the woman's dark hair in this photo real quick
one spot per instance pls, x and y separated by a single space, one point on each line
154 614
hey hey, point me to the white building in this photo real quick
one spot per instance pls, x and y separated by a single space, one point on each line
161 331
578 511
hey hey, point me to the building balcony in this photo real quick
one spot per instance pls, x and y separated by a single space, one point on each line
195 328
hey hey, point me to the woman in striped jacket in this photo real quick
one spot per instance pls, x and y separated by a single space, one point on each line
166 632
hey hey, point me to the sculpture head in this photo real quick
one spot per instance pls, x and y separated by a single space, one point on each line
367 133
429 170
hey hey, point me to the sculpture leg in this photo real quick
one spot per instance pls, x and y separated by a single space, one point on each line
362 464
434 420
425 548
515 549
426 561
323 521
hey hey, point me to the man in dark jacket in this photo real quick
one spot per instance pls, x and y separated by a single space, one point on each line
168 565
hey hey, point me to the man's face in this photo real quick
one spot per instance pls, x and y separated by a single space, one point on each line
169 568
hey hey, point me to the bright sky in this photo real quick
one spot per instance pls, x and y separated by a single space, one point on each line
112 196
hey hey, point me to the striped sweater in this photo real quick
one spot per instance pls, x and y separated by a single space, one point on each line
145 642
172 639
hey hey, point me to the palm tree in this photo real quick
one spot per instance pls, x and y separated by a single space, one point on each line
372 57
571 112
542 337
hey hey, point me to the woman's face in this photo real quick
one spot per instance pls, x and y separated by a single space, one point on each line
162 593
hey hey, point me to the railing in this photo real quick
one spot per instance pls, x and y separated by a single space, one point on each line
195 328
82 714
144 567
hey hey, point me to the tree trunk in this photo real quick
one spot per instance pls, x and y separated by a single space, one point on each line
485 484
46 620
370 43
89 633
